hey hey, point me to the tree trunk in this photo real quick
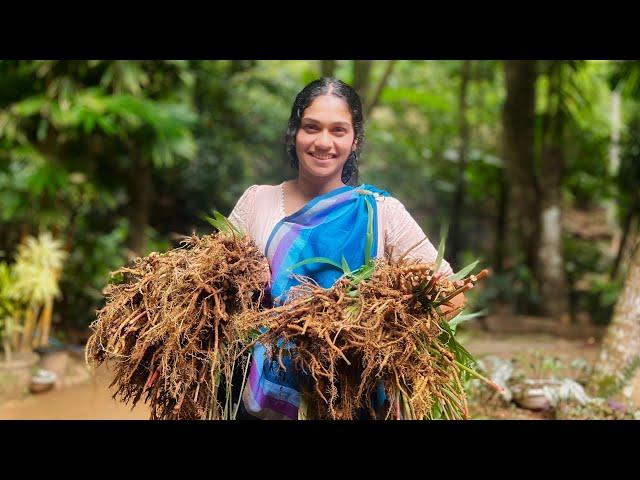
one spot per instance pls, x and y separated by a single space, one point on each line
361 78
621 344
327 68
140 194
614 166
518 148
8 352
45 325
31 314
550 273
501 226
458 198
623 243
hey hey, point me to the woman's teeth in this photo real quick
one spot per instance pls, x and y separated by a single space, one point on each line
323 157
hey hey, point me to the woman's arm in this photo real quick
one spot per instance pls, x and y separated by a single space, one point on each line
404 237
244 211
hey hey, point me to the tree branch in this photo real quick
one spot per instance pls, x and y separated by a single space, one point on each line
373 101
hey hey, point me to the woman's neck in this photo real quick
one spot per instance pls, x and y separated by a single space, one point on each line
313 187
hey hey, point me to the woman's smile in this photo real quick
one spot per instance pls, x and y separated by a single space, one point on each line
323 156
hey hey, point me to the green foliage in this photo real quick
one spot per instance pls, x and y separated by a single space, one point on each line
74 135
625 75
516 286
88 268
36 270
582 257
536 364
588 276
628 178
7 304
69 131
221 223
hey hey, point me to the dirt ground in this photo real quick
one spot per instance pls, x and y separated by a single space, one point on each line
91 399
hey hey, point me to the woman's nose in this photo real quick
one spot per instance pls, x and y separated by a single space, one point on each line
323 140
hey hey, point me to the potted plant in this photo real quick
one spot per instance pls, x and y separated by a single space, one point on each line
29 288
15 366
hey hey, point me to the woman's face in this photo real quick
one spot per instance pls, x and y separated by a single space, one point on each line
325 137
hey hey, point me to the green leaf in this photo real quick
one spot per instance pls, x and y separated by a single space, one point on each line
89 123
362 273
215 223
463 317
107 125
463 273
369 240
230 226
29 106
43 128
443 241
10 203
345 265
436 411
221 223
461 354
184 146
315 260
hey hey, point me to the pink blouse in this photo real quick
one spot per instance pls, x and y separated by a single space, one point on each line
261 207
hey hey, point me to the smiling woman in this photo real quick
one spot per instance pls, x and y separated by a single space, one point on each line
321 213
325 140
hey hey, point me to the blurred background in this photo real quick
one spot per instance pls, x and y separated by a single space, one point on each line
533 165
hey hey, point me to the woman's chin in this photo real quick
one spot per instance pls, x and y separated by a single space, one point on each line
322 172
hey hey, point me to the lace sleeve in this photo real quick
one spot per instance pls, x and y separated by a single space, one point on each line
402 232
243 213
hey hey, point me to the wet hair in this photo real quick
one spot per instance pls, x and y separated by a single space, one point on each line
337 88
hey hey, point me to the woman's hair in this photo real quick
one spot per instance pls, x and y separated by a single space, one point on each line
327 86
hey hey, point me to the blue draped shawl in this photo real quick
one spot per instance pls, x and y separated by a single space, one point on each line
333 226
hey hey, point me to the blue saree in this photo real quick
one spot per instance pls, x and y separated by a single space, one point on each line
333 226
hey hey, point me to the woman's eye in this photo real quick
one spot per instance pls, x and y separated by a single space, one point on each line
310 128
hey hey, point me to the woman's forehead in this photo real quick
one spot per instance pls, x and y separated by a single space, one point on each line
328 108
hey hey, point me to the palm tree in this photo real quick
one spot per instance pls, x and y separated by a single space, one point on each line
620 352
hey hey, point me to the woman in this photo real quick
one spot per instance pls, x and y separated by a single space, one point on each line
319 214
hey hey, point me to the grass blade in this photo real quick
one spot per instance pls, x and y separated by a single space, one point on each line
443 241
464 272
220 223
362 273
463 317
369 240
345 265
316 260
